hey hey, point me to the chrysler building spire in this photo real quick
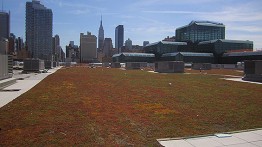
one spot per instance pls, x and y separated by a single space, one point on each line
101 35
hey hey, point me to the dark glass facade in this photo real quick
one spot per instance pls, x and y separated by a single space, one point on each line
200 53
221 46
233 58
39 29
198 31
119 37
189 57
162 47
4 25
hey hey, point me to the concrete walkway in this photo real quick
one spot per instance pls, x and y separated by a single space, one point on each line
240 80
251 138
24 83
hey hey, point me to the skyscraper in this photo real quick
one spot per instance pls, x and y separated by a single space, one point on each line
119 37
128 44
100 36
72 52
145 43
12 44
56 47
107 47
19 44
4 25
88 44
39 29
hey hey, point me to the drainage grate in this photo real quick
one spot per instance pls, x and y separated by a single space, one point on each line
9 90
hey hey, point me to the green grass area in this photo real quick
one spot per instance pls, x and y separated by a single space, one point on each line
109 107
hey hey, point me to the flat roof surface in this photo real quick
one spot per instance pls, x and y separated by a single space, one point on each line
257 53
167 43
21 86
226 41
252 138
189 54
135 55
203 23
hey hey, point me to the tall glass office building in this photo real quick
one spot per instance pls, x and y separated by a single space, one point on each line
39 29
4 25
119 37
197 31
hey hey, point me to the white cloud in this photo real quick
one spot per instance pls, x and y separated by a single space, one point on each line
107 13
175 12
227 15
148 29
62 23
80 12
243 21
246 28
144 3
77 8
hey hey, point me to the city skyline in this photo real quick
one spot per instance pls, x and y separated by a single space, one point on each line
150 20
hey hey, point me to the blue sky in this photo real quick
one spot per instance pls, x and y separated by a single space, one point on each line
150 20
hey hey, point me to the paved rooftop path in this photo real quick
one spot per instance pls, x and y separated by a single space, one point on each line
240 80
239 139
21 86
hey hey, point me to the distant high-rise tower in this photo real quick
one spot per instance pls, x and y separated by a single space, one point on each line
100 36
12 44
88 44
19 44
145 43
119 37
39 29
4 25
128 44
107 47
56 47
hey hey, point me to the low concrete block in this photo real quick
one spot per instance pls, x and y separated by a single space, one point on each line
105 64
67 64
7 82
115 65
48 64
253 71
170 67
55 64
216 66
201 66
32 65
136 65
229 66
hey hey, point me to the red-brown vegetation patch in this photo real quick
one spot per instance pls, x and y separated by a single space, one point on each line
110 107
